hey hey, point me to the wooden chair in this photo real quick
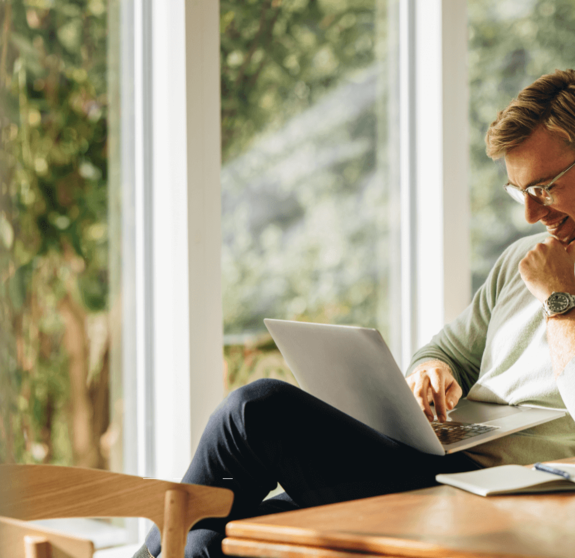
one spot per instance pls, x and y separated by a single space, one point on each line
29 492
20 539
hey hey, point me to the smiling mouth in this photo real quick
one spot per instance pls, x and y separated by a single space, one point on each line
557 224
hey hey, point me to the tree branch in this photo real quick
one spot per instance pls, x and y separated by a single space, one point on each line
5 39
254 45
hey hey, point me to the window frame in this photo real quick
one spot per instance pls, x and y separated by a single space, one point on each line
173 367
433 129
434 165
170 214
171 252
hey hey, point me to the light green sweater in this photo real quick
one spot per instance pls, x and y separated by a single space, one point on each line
498 351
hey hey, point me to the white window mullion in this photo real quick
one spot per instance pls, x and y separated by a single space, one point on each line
144 226
169 107
442 216
173 409
429 176
408 194
127 296
136 248
204 211
172 357
456 191
137 290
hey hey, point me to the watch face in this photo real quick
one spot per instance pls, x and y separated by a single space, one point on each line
557 302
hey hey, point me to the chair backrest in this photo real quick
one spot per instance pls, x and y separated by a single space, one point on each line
20 539
48 491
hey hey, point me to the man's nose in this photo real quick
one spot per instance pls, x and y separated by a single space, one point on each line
533 210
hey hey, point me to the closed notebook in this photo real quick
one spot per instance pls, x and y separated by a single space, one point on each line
511 479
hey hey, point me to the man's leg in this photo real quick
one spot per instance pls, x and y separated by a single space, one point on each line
206 542
269 432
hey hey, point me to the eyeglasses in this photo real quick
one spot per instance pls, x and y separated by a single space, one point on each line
539 193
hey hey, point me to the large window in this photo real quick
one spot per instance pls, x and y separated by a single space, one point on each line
110 216
511 44
305 182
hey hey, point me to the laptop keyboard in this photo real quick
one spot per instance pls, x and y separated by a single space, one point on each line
451 432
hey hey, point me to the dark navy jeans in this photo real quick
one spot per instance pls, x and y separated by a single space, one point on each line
271 432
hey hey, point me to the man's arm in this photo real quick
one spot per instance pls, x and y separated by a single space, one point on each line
546 269
549 268
446 368
561 339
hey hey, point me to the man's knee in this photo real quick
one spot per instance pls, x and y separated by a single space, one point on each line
259 396
263 390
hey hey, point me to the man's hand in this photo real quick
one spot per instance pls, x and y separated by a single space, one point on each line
433 381
548 268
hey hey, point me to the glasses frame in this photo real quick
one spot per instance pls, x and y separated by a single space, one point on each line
510 188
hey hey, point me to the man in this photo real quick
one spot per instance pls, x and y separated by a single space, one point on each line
500 349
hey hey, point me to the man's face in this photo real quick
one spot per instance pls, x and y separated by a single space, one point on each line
538 160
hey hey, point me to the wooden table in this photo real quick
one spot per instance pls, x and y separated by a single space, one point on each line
434 522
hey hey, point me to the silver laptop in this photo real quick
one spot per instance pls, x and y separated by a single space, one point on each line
352 369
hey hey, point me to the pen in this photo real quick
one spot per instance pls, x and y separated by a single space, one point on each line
547 469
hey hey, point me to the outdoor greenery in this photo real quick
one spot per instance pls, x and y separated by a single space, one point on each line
53 233
305 188
279 57
302 205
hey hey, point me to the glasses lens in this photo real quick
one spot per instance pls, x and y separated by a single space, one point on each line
540 195
515 193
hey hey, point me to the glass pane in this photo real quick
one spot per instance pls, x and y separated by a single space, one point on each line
54 353
304 177
511 44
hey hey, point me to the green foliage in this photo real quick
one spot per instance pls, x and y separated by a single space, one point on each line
53 209
302 192
279 57
257 358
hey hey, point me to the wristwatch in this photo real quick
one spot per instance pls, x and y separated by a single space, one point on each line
558 303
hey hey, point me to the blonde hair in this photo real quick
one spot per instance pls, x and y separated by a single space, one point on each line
548 102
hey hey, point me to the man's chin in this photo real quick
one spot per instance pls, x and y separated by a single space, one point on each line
566 232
